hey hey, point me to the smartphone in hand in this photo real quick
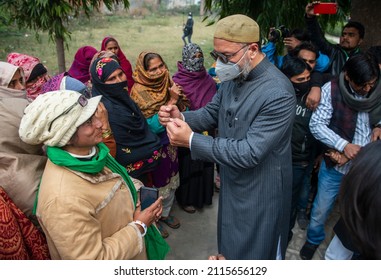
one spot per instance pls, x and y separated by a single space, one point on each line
325 8
148 196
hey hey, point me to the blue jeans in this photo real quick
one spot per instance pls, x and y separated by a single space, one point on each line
303 179
328 187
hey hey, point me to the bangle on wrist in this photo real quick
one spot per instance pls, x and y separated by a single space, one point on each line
107 133
143 225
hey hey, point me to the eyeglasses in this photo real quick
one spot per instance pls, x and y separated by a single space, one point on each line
82 100
223 57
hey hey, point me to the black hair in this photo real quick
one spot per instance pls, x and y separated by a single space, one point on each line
376 52
111 39
148 57
361 68
37 71
306 45
360 201
355 24
293 66
300 34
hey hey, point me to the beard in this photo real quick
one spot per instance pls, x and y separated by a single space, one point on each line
246 69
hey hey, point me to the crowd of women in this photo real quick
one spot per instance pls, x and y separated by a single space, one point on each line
90 138
76 148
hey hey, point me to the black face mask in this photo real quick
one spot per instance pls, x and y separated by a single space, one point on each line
301 88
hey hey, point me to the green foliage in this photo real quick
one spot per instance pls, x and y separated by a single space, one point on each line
194 9
150 33
270 13
52 15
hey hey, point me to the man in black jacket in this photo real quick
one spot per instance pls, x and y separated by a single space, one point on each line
188 29
350 40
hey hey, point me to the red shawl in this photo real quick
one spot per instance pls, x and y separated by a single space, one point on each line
123 61
19 238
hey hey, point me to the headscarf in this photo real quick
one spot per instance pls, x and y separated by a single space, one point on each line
372 104
54 83
136 144
80 68
7 71
62 81
190 62
19 237
123 61
100 70
150 92
197 84
156 246
29 64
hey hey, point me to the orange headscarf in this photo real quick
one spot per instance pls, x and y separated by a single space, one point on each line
150 93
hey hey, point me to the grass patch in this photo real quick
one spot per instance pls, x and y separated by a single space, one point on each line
157 32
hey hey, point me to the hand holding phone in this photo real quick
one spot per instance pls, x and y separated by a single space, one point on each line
325 8
148 196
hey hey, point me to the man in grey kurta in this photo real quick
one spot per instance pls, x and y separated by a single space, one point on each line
253 111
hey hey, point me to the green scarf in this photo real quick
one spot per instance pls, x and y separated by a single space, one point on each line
157 248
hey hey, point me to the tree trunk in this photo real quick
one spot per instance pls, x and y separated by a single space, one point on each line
368 12
202 7
60 54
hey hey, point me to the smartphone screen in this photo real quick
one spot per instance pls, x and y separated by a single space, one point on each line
325 8
148 196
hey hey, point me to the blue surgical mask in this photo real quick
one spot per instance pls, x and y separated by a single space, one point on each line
228 71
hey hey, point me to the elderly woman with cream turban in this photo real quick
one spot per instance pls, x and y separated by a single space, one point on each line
87 203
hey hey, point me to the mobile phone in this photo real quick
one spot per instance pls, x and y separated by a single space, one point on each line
325 8
148 196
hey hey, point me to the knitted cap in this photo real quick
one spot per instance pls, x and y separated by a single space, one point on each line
237 28
41 125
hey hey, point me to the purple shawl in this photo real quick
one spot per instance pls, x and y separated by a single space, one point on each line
199 87
81 64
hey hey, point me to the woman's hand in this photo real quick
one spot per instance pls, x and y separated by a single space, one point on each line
150 214
176 93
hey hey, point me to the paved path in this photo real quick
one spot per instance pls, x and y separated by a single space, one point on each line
196 239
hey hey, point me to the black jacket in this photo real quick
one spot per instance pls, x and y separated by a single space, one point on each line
337 55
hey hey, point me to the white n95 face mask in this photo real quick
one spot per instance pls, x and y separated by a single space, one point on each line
228 71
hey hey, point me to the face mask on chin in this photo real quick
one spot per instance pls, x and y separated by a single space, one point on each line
228 71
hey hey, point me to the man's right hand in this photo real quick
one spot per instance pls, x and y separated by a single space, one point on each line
310 9
168 112
351 150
